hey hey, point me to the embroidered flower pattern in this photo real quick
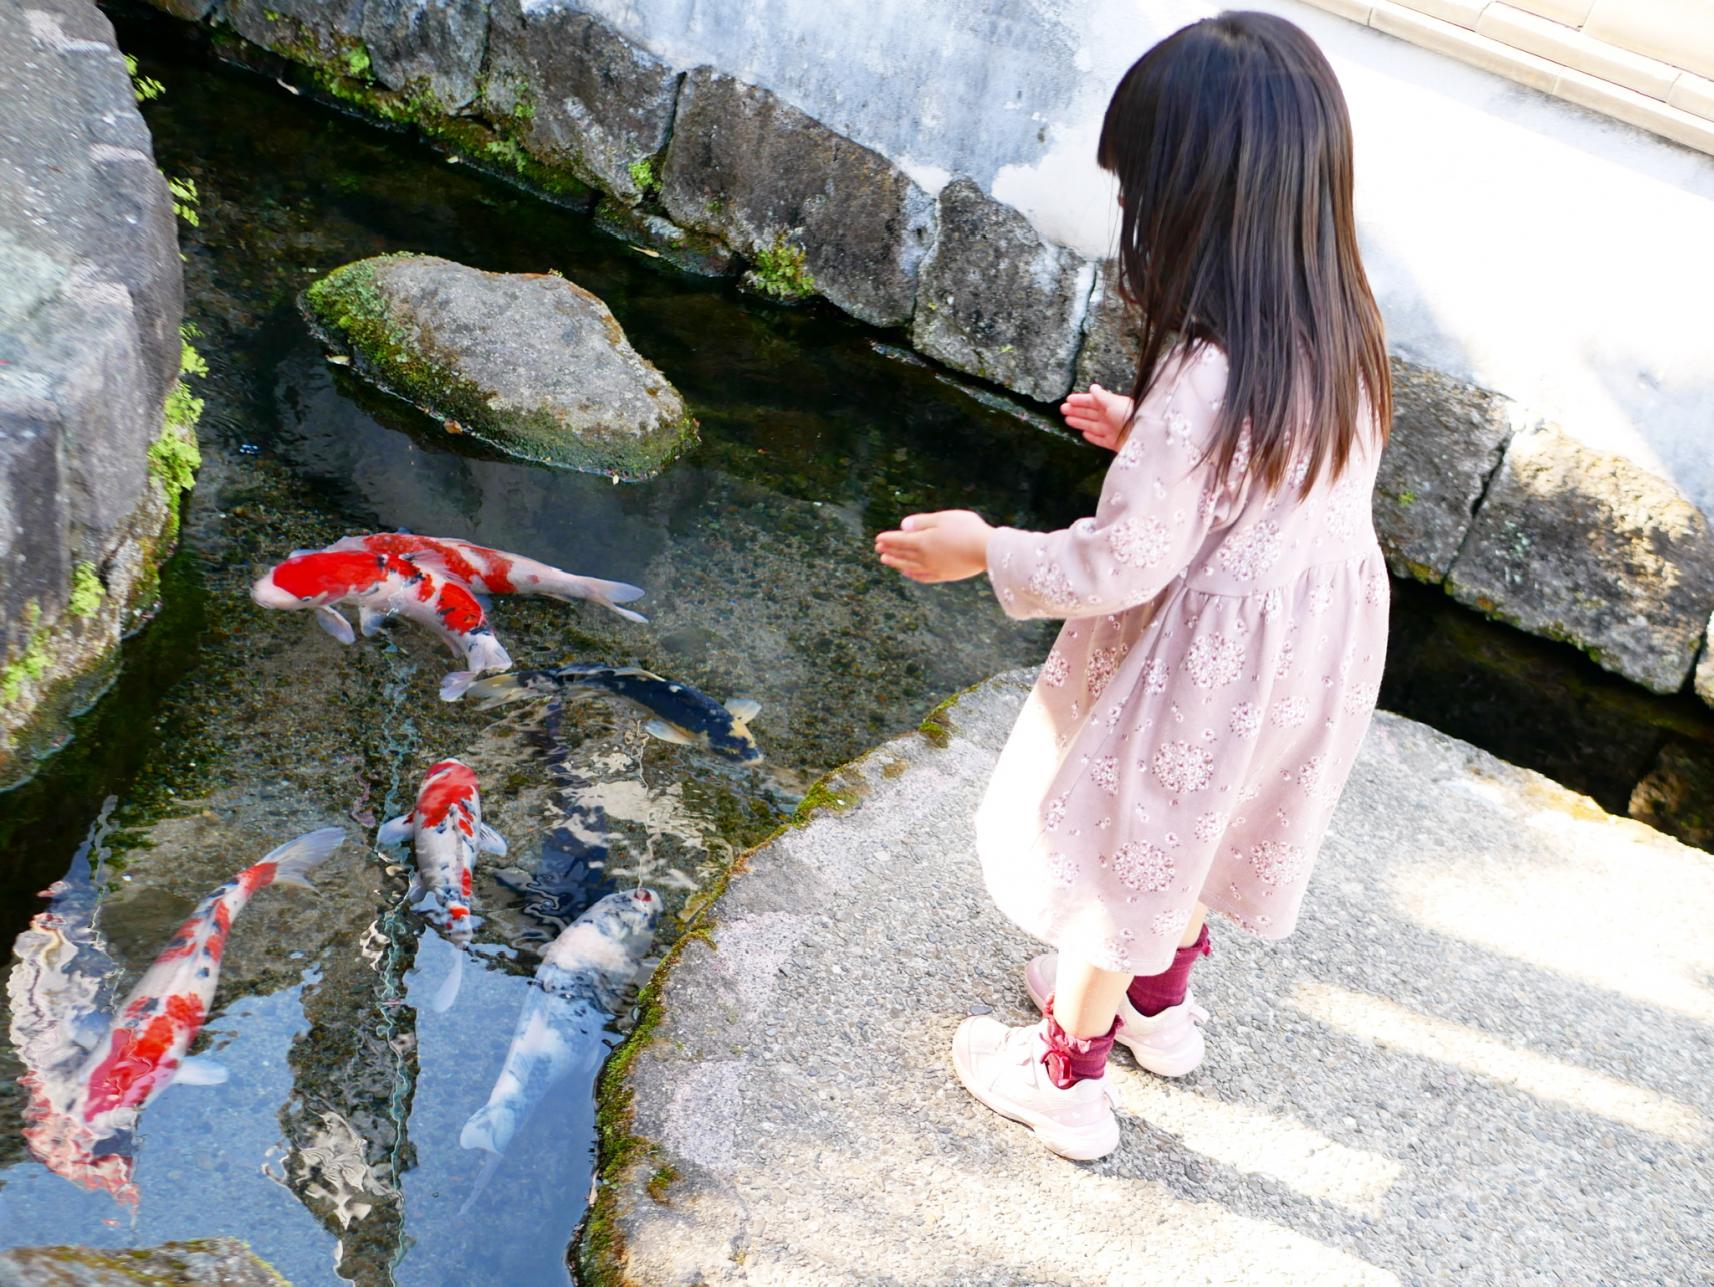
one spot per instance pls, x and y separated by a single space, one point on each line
1048 583
1181 767
1055 814
1102 663
1360 698
1138 542
1055 670
1154 676
1253 552
1214 660
1168 922
1277 863
1289 712
1344 513
1062 870
1140 865
1310 775
1210 826
1245 720
1104 773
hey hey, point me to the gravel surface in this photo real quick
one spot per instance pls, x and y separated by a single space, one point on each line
1482 1058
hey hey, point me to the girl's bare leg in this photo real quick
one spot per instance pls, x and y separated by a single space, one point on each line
1086 999
1194 929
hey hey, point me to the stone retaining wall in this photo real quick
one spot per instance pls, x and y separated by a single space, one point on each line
90 305
1531 527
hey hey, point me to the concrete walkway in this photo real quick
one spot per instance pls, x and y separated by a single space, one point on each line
1484 1057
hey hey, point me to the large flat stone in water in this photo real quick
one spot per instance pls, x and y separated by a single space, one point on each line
1478 1056
527 362
212 1262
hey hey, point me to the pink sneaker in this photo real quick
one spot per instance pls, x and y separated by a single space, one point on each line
1003 1068
1168 1044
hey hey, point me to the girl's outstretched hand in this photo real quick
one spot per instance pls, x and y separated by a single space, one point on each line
945 546
1100 415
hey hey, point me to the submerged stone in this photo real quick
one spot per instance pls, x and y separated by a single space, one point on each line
527 362
999 301
208 1262
578 94
817 210
1447 437
1587 548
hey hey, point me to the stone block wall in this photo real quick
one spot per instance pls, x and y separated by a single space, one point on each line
90 306
1529 527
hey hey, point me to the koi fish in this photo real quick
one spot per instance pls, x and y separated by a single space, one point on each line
683 714
81 1114
449 832
495 572
578 987
381 585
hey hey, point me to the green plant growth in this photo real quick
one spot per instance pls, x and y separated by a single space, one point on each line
32 663
357 61
144 87
184 200
87 591
174 456
782 270
643 175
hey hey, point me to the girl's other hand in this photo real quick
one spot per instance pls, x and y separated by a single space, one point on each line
945 546
1100 415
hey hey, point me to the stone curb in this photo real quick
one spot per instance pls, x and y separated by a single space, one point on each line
817 213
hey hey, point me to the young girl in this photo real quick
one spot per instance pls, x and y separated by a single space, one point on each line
1226 605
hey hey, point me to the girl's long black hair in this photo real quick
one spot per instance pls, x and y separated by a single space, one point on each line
1232 147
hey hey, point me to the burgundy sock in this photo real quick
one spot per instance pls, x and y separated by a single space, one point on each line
1071 1059
1152 993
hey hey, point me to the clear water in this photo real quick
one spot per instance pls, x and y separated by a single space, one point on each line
334 1147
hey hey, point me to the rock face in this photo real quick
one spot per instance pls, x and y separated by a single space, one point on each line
996 300
1109 353
1447 438
579 94
319 33
90 302
529 363
1705 668
1590 549
432 46
211 1262
792 1116
763 176
692 252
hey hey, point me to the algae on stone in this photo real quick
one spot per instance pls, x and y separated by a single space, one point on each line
527 362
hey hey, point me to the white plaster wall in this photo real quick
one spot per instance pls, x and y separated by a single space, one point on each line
1549 253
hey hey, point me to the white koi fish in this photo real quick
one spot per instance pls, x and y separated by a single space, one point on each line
81 1115
496 572
578 987
382 585
449 832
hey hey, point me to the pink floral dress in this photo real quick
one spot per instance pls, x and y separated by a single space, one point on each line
1197 718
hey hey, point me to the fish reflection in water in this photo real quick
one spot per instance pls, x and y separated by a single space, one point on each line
683 714
89 1077
577 988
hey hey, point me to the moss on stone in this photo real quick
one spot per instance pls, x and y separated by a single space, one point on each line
31 663
87 591
781 270
658 1183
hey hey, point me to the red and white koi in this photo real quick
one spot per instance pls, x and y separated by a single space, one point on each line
382 585
495 572
78 1111
447 826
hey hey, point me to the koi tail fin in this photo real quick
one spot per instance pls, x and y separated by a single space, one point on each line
609 594
482 1177
447 992
293 861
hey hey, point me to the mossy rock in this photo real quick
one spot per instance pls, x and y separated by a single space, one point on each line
224 1261
529 363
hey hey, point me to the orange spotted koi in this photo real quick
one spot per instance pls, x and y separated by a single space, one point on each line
495 572
382 585
449 833
81 1113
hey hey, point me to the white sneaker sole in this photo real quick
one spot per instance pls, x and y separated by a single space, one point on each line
1076 1144
1178 1062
